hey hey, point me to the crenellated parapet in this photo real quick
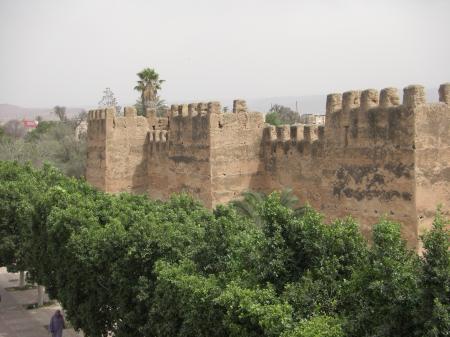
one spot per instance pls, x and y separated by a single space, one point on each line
301 137
100 114
98 120
293 133
357 118
444 93
158 142
158 136
190 126
105 122
205 108
380 153
413 96
353 119
194 109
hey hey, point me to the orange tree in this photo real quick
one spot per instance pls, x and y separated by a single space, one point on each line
136 267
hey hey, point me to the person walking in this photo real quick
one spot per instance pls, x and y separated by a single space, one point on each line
57 324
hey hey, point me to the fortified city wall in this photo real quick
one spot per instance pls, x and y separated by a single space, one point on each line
374 157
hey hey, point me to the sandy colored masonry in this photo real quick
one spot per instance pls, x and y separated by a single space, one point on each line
374 157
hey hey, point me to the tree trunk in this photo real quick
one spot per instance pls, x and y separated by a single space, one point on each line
21 279
41 293
144 108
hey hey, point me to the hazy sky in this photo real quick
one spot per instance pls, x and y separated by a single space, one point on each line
67 51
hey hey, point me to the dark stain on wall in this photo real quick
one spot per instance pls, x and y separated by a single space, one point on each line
399 169
354 123
187 159
294 132
190 189
443 175
200 128
317 149
359 194
368 182
286 146
376 131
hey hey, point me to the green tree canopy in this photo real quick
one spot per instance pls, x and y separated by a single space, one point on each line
131 266
279 114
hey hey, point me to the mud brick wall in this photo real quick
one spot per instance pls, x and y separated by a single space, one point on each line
376 156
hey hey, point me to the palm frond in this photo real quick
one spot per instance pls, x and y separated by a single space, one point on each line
288 199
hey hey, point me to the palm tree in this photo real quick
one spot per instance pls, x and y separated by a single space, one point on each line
249 205
60 111
160 106
148 85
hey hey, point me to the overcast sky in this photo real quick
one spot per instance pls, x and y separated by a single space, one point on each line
67 51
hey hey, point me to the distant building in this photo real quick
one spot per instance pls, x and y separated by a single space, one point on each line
320 119
81 129
312 119
29 125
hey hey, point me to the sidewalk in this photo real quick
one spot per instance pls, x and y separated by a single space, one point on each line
15 320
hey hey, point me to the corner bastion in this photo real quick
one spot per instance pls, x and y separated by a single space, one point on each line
374 157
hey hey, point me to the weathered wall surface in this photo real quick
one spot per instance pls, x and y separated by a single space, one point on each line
117 151
96 146
362 163
180 158
432 158
375 157
236 152
127 154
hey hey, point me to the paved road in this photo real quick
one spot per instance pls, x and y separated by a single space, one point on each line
15 320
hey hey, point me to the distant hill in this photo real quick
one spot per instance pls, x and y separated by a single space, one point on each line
9 111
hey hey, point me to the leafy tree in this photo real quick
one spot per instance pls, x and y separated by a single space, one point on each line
148 85
255 312
251 203
273 118
130 266
184 303
434 311
318 326
383 293
52 141
64 150
279 114
42 128
18 187
21 151
14 129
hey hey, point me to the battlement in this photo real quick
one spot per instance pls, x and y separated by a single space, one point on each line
359 117
205 108
444 93
101 113
194 109
413 96
192 125
293 133
158 136
379 153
